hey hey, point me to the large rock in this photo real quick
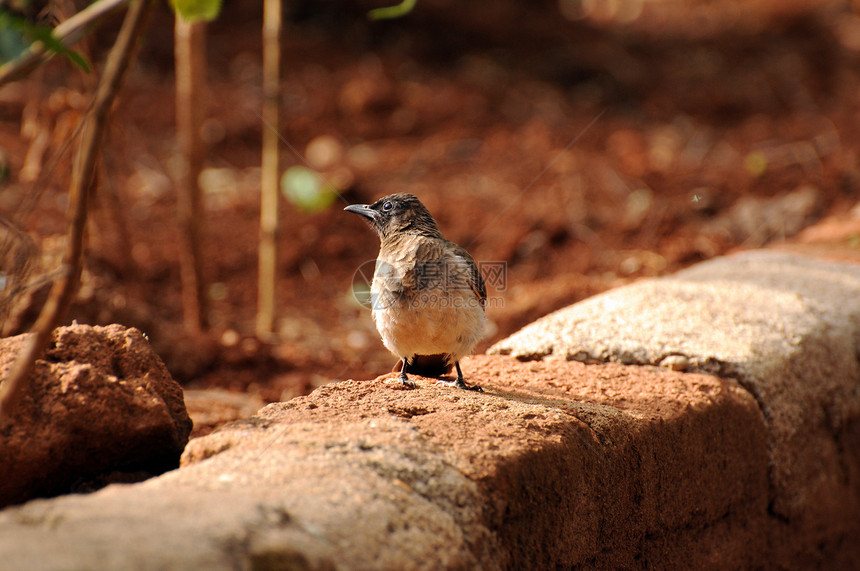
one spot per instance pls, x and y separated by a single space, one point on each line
101 407
787 327
556 464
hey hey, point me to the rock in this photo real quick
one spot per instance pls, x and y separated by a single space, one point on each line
787 328
756 221
556 464
211 408
101 407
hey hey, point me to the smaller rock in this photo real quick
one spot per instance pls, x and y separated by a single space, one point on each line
756 221
101 407
675 362
211 408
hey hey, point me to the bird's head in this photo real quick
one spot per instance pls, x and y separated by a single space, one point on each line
397 214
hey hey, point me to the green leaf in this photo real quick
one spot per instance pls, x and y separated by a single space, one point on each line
389 12
17 34
12 40
46 36
197 10
307 190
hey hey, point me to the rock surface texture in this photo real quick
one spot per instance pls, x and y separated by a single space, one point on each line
557 464
101 407
787 328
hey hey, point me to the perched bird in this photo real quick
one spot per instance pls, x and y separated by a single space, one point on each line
427 295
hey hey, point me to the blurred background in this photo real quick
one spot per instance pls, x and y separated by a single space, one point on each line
577 144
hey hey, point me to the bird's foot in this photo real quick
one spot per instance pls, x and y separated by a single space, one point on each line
406 382
460 384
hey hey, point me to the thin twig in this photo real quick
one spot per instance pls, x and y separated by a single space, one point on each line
268 274
67 32
190 52
58 302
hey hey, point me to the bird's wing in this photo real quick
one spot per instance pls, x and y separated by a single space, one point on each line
473 277
442 263
428 266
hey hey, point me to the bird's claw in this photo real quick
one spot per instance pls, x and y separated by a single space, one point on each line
406 382
460 384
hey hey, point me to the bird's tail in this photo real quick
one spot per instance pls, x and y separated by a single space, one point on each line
427 365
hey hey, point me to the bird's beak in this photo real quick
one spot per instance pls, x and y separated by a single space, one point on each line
363 210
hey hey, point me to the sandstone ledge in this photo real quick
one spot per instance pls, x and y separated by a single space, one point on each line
787 328
557 463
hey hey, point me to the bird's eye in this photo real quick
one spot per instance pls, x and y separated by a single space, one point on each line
387 205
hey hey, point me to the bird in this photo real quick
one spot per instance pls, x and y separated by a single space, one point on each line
427 296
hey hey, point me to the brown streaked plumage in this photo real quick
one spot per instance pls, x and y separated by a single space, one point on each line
427 295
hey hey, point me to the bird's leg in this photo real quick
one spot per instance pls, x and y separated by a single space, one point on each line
459 382
404 379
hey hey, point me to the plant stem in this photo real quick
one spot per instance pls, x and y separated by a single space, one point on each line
67 32
190 51
269 184
58 302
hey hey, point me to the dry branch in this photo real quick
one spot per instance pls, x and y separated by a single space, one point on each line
267 278
190 53
58 302
67 32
